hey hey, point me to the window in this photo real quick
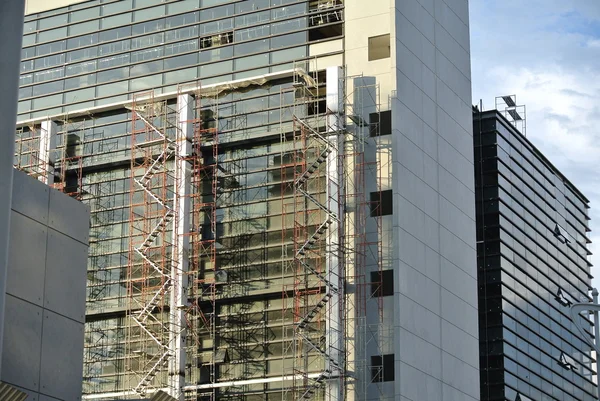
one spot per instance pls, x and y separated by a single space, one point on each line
379 47
561 234
382 283
216 40
380 123
567 362
381 203
382 368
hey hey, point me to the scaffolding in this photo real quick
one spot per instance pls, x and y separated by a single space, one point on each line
152 230
245 256
515 113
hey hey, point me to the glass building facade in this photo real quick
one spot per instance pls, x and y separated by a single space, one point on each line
100 52
321 265
532 233
80 65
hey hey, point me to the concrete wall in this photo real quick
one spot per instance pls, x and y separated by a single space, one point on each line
434 204
430 324
11 32
45 295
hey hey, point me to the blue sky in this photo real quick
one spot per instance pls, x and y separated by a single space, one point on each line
547 52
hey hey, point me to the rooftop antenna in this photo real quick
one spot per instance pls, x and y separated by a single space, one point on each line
513 112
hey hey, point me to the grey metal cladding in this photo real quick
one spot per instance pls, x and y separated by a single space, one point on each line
10 393
61 372
27 258
22 344
69 216
30 197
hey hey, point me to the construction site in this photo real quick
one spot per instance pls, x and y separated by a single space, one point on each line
239 240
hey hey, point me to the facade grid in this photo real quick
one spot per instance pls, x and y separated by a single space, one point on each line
317 253
532 232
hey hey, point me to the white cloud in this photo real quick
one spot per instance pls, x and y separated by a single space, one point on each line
547 52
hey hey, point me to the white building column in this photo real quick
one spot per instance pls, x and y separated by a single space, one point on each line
47 152
335 324
180 263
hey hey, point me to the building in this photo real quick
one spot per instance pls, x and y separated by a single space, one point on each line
44 312
532 233
281 193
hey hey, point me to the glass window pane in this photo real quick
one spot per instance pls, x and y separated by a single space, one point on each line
52 34
50 87
116 88
88 52
288 40
147 3
183 19
143 83
52 22
112 75
217 12
288 11
146 68
117 6
252 47
148 40
52 47
114 47
216 26
80 81
149 13
114 34
215 80
49 61
181 61
28 40
79 95
113 61
116 20
25 79
82 15
27 52
288 54
25 92
211 3
252 33
252 19
146 54
29 27
216 68
181 47
182 6
80 41
182 33
216 54
179 76
47 75
78 106
27 65
288 26
253 73
24 106
147 27
80 68
47 101
251 5
245 63
84 27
